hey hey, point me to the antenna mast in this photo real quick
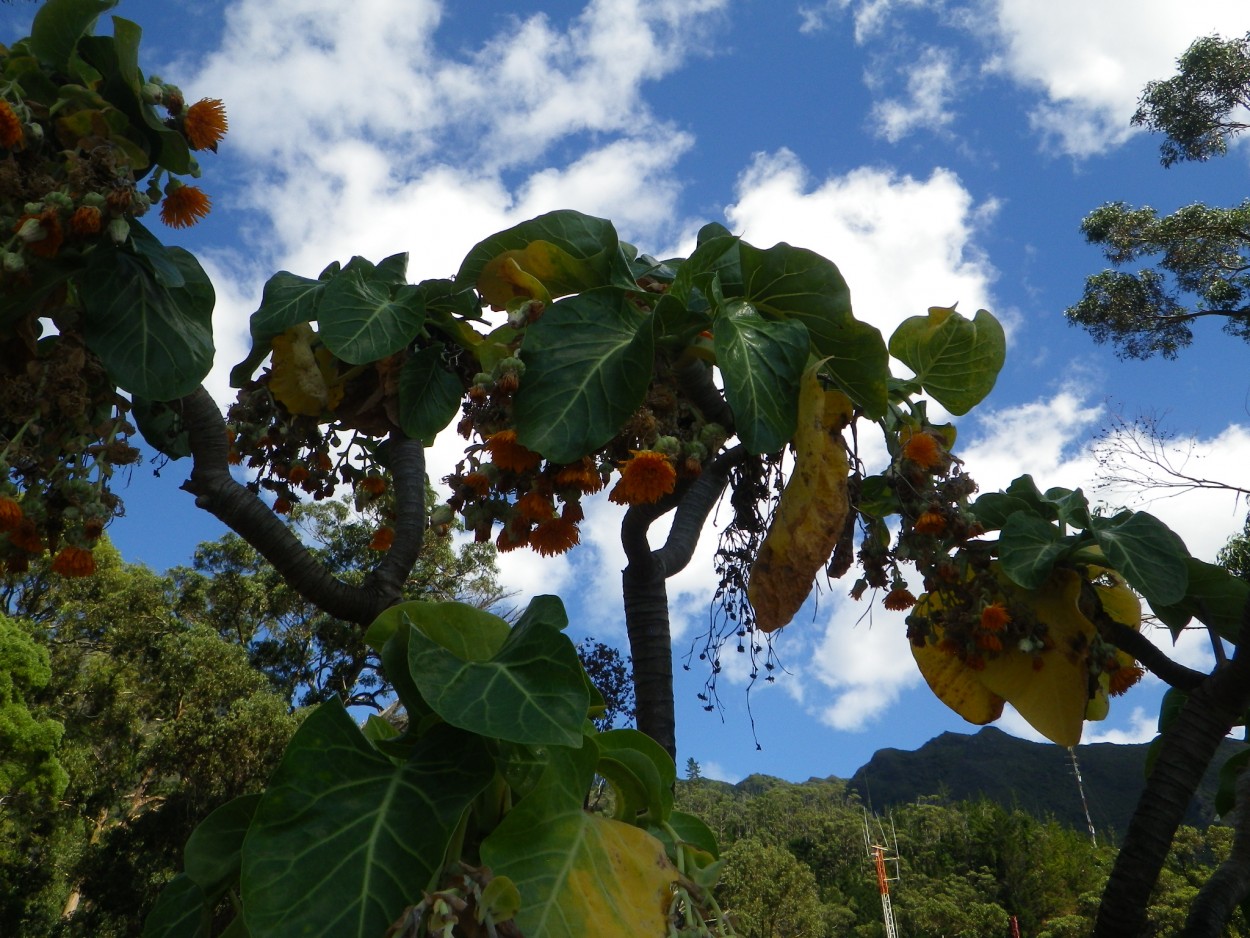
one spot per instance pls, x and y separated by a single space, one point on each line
879 857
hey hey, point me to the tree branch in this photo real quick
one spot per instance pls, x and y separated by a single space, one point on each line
1230 883
217 492
1172 673
692 511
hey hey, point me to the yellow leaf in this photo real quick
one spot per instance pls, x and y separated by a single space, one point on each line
302 379
957 685
812 510
1051 698
522 274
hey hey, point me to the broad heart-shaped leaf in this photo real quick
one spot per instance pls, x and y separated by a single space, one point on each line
642 773
1213 596
1028 548
994 508
761 361
469 633
287 301
161 426
579 874
59 24
344 839
155 341
429 395
181 911
1147 553
860 367
213 853
588 362
573 253
954 683
531 691
363 318
956 360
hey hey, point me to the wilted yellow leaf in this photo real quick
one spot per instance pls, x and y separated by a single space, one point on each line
811 513
302 379
957 685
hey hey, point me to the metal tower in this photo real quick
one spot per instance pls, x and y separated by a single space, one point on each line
877 854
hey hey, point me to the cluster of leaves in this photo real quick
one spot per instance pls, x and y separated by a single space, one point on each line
474 813
80 135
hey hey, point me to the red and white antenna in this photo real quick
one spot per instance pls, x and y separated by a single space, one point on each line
881 856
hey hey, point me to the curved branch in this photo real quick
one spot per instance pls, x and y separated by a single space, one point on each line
695 378
217 492
692 511
1172 673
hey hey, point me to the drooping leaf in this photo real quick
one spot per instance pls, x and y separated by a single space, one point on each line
956 360
469 633
564 251
213 854
692 830
181 911
1028 549
429 395
811 515
530 691
1230 771
1072 505
762 362
304 379
859 365
994 508
344 839
1148 554
364 318
953 682
1213 596
588 363
156 341
161 426
579 874
639 767
59 24
286 301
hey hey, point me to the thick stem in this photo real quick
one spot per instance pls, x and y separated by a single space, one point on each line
1229 884
1187 749
217 492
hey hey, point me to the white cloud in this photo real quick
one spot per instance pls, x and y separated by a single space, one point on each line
903 244
1140 727
931 86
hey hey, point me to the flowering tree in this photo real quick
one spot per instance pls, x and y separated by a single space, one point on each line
665 381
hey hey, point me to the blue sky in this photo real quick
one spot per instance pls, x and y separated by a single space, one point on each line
936 151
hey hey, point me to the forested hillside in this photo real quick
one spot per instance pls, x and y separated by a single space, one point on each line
797 866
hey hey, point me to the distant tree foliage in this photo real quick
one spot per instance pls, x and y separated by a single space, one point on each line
1195 262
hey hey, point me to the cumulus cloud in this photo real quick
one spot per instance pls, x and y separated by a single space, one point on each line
931 86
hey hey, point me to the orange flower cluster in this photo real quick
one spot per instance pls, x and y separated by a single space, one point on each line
646 477
183 206
205 124
924 450
382 539
930 523
898 599
509 455
74 562
994 617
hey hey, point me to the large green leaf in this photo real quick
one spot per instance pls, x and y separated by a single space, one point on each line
471 634
579 874
181 911
58 26
956 360
429 395
344 839
566 251
800 285
1028 548
1212 595
213 854
531 691
1147 553
156 341
287 301
761 361
161 426
588 362
364 318
637 764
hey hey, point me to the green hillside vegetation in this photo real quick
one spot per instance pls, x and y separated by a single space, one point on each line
796 865
1037 777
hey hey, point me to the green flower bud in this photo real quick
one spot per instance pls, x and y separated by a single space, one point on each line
119 230
668 445
59 199
94 200
31 230
12 263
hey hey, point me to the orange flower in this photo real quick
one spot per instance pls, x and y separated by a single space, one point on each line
572 511
989 641
645 478
26 536
382 539
373 484
581 475
74 561
10 514
898 599
1122 678
11 132
205 124
508 454
512 536
85 221
281 506
297 474
554 537
923 450
535 506
929 523
184 206
994 617
53 234
478 483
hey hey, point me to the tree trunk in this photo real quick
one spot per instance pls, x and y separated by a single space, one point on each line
1187 749
1229 884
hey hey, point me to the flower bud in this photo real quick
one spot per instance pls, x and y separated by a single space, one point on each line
12 263
119 230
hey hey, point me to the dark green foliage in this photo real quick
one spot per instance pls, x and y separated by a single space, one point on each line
1195 107
609 671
